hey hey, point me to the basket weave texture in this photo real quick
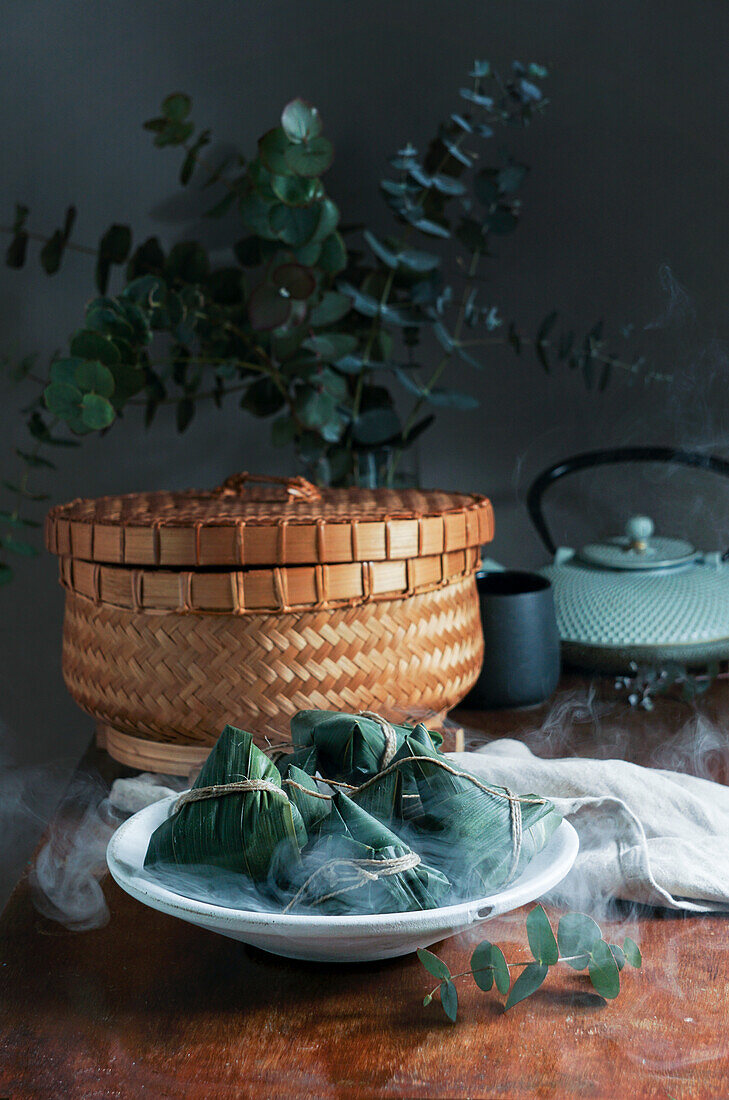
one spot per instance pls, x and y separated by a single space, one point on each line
244 604
179 678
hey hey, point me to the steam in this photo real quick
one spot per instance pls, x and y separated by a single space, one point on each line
65 880
678 308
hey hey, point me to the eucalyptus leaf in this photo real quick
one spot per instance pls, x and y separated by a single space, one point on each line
63 399
527 983
618 955
96 411
300 121
632 952
449 1000
94 377
86 344
482 966
333 257
541 937
502 977
603 970
331 347
330 309
433 964
576 935
271 149
376 426
311 158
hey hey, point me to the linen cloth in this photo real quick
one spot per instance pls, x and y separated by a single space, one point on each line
646 835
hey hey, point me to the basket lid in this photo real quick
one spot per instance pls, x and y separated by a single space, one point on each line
251 520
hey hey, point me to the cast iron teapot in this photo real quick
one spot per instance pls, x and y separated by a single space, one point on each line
637 597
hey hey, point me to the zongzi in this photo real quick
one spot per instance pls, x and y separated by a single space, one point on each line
356 864
236 816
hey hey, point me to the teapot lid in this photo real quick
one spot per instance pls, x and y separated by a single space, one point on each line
639 549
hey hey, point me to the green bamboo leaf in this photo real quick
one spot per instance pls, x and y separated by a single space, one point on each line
541 937
476 823
6 573
240 831
527 983
576 935
449 1000
632 952
433 964
603 970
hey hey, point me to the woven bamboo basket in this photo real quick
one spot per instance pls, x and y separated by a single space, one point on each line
255 600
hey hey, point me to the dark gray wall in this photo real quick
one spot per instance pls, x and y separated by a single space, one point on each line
630 171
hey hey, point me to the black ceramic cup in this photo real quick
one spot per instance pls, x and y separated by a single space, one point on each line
521 660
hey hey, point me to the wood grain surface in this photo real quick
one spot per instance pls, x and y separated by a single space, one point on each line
150 1006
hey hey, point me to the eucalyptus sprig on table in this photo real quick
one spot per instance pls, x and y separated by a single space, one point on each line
330 342
579 944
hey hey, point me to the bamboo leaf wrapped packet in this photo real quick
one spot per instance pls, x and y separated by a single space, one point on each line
348 748
236 817
357 865
482 835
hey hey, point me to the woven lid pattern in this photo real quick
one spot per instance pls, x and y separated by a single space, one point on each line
250 521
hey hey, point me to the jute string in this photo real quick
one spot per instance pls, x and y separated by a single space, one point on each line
352 874
386 767
388 733
515 801
197 794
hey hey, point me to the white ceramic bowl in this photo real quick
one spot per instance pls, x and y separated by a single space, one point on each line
332 938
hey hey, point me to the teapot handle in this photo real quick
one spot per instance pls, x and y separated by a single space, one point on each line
605 458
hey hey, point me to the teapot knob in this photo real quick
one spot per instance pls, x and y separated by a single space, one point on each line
639 529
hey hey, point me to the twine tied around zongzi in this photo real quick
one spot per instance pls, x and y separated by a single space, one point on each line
388 732
515 801
197 794
352 874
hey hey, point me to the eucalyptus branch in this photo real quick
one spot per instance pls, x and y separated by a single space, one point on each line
41 238
579 943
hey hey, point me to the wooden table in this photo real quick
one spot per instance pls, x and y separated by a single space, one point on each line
150 1006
